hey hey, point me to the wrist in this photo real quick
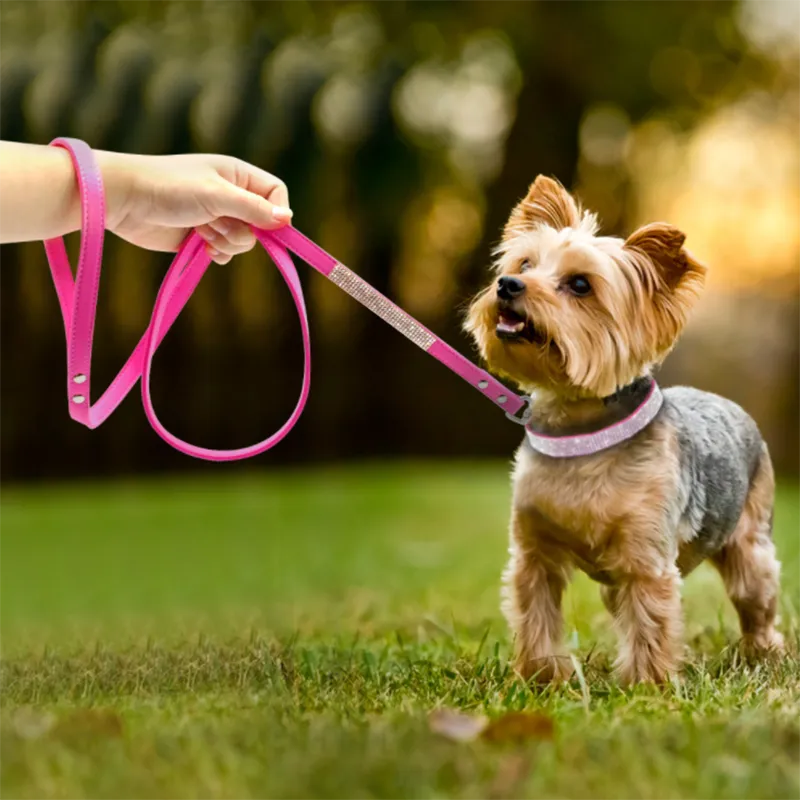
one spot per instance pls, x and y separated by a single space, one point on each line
117 185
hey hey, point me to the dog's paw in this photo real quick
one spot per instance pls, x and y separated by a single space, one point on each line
764 645
631 673
546 669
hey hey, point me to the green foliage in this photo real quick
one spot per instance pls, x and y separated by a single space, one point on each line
287 636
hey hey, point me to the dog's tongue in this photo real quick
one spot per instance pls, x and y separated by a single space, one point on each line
510 324
510 327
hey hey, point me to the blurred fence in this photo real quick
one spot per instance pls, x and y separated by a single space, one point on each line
405 132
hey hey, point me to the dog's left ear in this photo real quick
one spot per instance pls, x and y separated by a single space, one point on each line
663 245
672 279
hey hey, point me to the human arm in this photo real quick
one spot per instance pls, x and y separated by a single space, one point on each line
151 201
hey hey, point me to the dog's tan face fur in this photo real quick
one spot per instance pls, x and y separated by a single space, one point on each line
576 316
581 342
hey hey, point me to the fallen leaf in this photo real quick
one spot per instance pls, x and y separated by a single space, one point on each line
90 722
518 726
515 726
457 726
30 723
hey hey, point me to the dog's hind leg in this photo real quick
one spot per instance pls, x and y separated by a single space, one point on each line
749 567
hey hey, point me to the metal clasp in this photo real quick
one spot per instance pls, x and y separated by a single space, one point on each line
524 413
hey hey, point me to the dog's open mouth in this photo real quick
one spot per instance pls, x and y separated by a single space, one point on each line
513 326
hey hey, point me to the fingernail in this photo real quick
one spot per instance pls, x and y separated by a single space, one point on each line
222 227
213 252
281 213
208 235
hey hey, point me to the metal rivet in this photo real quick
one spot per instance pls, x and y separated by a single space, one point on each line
80 378
78 398
483 384
502 399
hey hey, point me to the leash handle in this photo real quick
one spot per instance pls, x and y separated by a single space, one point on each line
78 301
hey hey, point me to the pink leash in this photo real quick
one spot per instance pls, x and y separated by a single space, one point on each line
78 301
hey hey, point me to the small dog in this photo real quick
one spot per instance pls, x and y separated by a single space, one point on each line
579 320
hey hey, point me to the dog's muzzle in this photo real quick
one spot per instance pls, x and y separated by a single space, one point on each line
509 287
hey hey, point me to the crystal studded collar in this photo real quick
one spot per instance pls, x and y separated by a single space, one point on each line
586 444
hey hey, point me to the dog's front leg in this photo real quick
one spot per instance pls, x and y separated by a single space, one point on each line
647 612
533 585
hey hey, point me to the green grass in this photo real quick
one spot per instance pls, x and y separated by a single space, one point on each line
288 635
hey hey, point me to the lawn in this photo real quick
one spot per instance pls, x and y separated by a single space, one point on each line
289 635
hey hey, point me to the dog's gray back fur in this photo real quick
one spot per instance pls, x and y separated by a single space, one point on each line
720 451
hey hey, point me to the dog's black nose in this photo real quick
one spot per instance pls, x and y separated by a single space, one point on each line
509 287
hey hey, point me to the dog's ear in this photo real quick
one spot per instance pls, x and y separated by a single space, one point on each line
548 203
672 279
663 245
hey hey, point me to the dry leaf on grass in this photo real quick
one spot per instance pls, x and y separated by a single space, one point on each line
516 726
31 723
90 722
457 726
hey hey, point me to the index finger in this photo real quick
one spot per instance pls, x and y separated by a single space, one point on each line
262 183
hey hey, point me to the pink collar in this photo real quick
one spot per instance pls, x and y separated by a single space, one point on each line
78 301
586 444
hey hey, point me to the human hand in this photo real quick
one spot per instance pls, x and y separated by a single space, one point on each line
155 201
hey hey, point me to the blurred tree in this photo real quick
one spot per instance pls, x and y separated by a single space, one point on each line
405 132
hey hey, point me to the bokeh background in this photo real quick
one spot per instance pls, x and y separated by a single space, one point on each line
405 132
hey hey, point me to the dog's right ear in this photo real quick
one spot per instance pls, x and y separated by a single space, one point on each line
547 203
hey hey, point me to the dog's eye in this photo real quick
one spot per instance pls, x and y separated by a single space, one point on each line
525 266
579 285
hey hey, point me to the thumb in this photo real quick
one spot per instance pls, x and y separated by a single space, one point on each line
233 201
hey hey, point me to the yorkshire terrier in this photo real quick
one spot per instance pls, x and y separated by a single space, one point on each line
579 321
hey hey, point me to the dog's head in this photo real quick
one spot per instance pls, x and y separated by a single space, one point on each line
578 312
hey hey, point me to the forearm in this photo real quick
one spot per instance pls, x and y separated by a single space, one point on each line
39 191
150 201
